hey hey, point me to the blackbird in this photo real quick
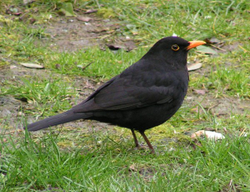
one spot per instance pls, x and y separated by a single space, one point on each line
144 95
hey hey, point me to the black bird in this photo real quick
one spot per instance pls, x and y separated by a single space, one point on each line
144 95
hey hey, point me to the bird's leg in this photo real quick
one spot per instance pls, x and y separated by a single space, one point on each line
135 139
148 142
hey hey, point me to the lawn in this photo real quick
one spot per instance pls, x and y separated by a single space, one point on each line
80 45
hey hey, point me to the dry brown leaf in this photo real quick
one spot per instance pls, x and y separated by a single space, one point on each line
32 65
91 11
194 66
207 50
213 40
195 110
26 2
84 19
132 168
208 134
200 91
13 66
114 47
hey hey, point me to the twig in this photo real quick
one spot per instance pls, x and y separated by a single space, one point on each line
87 66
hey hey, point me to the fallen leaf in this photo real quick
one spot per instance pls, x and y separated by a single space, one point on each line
18 14
32 20
196 110
194 66
32 65
132 168
200 91
57 66
26 2
211 135
207 50
80 66
114 47
130 45
91 11
213 40
20 113
84 19
99 30
23 99
13 66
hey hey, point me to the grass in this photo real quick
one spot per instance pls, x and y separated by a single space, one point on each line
43 165
95 157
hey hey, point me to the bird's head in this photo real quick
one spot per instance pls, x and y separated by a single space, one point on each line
172 50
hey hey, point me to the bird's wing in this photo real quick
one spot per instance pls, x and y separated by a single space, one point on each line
123 93
123 98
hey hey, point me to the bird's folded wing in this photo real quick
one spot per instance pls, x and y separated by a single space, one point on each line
132 97
117 94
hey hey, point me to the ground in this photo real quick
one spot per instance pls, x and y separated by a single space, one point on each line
68 34
81 52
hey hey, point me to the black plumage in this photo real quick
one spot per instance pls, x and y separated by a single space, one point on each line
144 95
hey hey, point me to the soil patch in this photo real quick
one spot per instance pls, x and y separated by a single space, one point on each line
72 34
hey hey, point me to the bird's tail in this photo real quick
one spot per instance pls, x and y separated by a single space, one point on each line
55 120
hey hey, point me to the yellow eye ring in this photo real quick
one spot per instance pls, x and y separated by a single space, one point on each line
175 47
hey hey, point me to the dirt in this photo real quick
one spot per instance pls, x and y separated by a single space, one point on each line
72 34
218 106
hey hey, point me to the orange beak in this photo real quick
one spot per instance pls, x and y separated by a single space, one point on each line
194 44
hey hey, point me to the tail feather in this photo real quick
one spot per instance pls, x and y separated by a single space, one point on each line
55 120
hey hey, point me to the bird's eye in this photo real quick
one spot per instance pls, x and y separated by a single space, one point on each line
175 47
